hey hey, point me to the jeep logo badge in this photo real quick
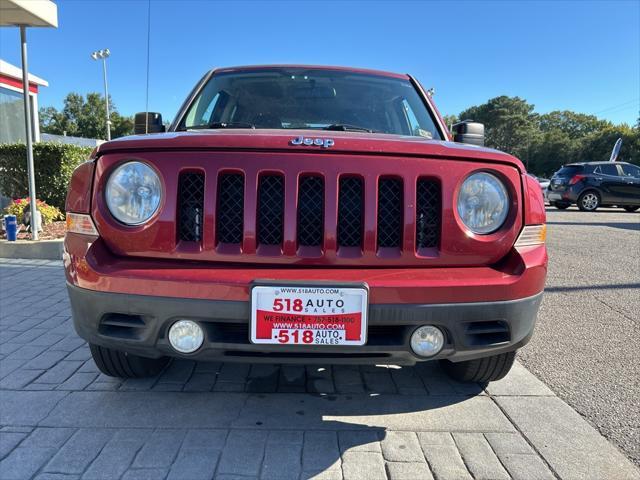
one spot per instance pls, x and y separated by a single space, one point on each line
319 142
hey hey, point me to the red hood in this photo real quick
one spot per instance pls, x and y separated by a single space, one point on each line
345 142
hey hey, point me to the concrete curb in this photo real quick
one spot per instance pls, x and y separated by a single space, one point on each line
40 250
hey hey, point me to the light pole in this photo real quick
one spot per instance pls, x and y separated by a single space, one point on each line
104 54
33 208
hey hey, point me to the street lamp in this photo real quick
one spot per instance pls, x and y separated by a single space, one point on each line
103 55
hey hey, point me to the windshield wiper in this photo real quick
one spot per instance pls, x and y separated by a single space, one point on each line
214 125
344 127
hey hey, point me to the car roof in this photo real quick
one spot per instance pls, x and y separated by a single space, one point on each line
313 67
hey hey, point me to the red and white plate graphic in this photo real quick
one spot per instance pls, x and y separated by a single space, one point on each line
309 315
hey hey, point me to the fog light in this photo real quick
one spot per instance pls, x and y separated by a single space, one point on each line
427 340
186 336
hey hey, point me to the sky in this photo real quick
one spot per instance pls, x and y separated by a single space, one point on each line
558 55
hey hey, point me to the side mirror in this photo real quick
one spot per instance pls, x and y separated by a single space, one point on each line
470 132
148 122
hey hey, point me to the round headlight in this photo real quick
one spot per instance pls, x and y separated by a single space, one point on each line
133 193
483 203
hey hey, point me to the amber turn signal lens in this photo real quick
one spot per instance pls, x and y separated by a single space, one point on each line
532 235
80 223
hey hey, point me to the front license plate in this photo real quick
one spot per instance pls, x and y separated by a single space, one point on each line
309 315
554 196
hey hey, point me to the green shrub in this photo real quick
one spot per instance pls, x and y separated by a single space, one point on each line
20 205
53 164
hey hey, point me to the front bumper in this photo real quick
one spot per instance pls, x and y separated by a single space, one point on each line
129 303
139 324
90 265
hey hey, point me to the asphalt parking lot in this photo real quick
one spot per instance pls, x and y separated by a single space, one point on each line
586 344
61 419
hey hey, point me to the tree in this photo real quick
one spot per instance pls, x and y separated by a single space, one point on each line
550 151
562 139
510 124
82 117
576 125
598 146
548 141
450 120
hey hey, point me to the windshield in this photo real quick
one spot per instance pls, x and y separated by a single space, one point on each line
301 98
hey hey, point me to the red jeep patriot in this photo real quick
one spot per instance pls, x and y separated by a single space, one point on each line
305 214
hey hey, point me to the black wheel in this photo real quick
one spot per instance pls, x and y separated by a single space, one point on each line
125 365
561 205
589 201
631 208
480 370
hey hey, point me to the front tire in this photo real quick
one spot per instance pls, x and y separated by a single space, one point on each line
631 208
589 201
115 363
480 370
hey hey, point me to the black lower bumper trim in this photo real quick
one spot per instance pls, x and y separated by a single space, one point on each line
138 324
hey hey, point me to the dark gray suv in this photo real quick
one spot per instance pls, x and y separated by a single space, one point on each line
590 185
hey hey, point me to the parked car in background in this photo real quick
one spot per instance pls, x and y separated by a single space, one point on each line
305 214
590 185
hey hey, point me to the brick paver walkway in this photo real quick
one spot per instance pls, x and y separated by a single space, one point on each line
61 419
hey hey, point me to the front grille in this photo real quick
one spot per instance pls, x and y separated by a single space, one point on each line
311 211
390 212
191 206
325 212
229 221
350 212
427 213
270 209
